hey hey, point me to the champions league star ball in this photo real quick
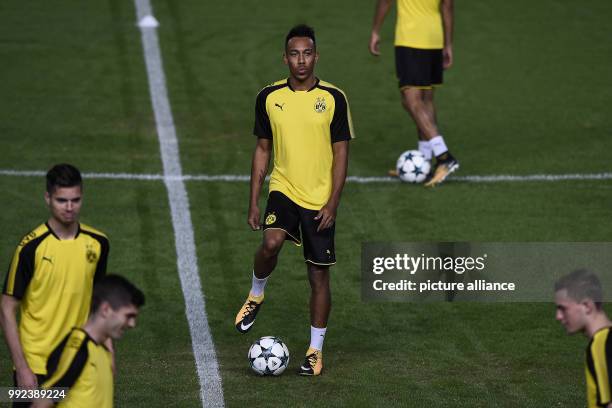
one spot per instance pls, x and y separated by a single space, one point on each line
413 167
269 356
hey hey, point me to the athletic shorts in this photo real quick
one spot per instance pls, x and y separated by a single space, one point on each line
301 228
418 68
39 377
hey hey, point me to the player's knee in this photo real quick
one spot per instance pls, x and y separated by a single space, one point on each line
271 246
411 103
319 278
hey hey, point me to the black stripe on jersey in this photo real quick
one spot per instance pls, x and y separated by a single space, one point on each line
262 127
591 367
104 249
25 267
53 232
608 351
311 88
339 128
76 365
590 362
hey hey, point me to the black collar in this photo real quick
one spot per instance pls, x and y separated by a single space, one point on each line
313 87
58 238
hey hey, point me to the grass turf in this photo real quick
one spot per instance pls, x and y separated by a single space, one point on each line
516 101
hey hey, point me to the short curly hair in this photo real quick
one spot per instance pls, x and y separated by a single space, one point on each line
301 30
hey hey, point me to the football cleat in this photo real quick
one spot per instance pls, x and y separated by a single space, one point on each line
393 173
442 171
246 316
313 364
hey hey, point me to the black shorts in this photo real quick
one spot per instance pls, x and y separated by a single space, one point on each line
284 214
39 377
418 68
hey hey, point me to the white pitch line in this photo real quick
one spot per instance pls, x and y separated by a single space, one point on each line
207 366
493 178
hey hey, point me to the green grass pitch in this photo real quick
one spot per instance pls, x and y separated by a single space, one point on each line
529 94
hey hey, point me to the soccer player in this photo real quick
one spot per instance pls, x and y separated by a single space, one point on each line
578 297
423 49
51 278
307 123
81 362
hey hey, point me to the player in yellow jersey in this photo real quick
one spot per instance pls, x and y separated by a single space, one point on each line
423 49
81 362
50 278
307 123
579 298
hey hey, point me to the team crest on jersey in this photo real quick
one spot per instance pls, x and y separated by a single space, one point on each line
91 255
320 105
270 219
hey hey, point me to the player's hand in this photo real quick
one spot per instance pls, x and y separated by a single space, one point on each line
26 378
253 218
374 44
447 53
326 216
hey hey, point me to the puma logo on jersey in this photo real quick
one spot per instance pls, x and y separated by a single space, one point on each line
279 106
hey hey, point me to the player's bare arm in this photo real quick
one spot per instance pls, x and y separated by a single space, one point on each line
259 169
8 321
382 8
446 7
327 214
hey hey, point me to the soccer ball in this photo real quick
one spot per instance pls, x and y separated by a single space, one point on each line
269 356
413 167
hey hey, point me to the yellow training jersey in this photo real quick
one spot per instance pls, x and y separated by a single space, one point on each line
54 280
83 366
598 366
419 24
303 126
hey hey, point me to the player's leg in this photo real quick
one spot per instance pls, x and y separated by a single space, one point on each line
413 72
445 161
319 254
424 145
320 306
418 71
281 222
266 256
424 114
413 76
320 299
413 101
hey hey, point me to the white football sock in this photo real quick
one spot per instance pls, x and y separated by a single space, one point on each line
438 146
425 148
316 337
258 285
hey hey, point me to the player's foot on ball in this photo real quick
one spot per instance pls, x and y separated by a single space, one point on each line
313 364
442 171
393 173
246 316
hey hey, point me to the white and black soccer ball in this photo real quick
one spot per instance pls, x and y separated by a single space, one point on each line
413 167
269 356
